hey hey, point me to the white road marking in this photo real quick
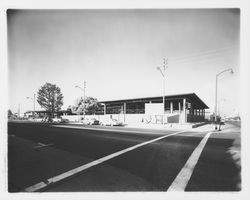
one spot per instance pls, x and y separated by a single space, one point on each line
77 170
181 181
41 145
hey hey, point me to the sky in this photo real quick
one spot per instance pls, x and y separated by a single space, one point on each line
117 53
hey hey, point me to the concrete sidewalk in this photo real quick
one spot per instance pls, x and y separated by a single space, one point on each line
173 126
169 126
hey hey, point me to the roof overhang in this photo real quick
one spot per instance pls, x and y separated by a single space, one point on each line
190 97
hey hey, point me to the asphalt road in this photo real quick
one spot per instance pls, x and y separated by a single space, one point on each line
152 167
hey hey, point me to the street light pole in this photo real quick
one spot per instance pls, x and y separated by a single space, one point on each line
34 104
163 73
216 93
219 106
83 89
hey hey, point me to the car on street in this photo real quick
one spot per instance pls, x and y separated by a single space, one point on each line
92 121
64 120
111 122
56 120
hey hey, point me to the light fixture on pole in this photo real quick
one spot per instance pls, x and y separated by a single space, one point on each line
219 106
163 73
83 89
216 93
34 103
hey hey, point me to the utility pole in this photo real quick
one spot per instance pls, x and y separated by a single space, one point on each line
216 94
83 89
19 110
163 73
34 104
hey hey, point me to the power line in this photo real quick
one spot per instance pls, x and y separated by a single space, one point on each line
217 56
204 53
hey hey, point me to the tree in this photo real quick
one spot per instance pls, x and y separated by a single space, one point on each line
9 113
49 96
91 106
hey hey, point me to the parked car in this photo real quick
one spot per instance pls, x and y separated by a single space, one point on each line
85 121
91 121
111 122
56 120
94 121
64 120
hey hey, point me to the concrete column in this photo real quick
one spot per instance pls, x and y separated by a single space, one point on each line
124 111
171 107
184 110
124 108
104 111
179 104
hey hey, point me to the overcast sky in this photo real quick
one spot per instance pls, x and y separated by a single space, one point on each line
117 52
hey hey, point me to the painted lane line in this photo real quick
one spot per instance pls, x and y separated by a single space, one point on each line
181 181
41 145
77 170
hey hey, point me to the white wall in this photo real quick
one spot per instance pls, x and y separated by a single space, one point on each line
129 118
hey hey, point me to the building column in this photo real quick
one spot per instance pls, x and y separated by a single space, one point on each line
171 107
179 104
104 109
184 110
124 111
124 108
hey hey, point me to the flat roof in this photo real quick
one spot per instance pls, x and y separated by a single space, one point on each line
191 97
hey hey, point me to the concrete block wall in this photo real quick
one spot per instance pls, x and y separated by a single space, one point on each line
195 118
173 118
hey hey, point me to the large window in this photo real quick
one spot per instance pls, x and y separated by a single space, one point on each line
135 108
114 109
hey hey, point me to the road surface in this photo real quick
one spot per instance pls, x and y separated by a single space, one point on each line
96 158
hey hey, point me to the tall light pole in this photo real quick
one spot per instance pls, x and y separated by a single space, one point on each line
34 103
163 73
83 89
219 105
18 110
216 91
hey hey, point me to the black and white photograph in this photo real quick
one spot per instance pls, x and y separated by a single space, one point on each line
124 100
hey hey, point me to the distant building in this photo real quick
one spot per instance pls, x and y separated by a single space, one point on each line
43 113
180 108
